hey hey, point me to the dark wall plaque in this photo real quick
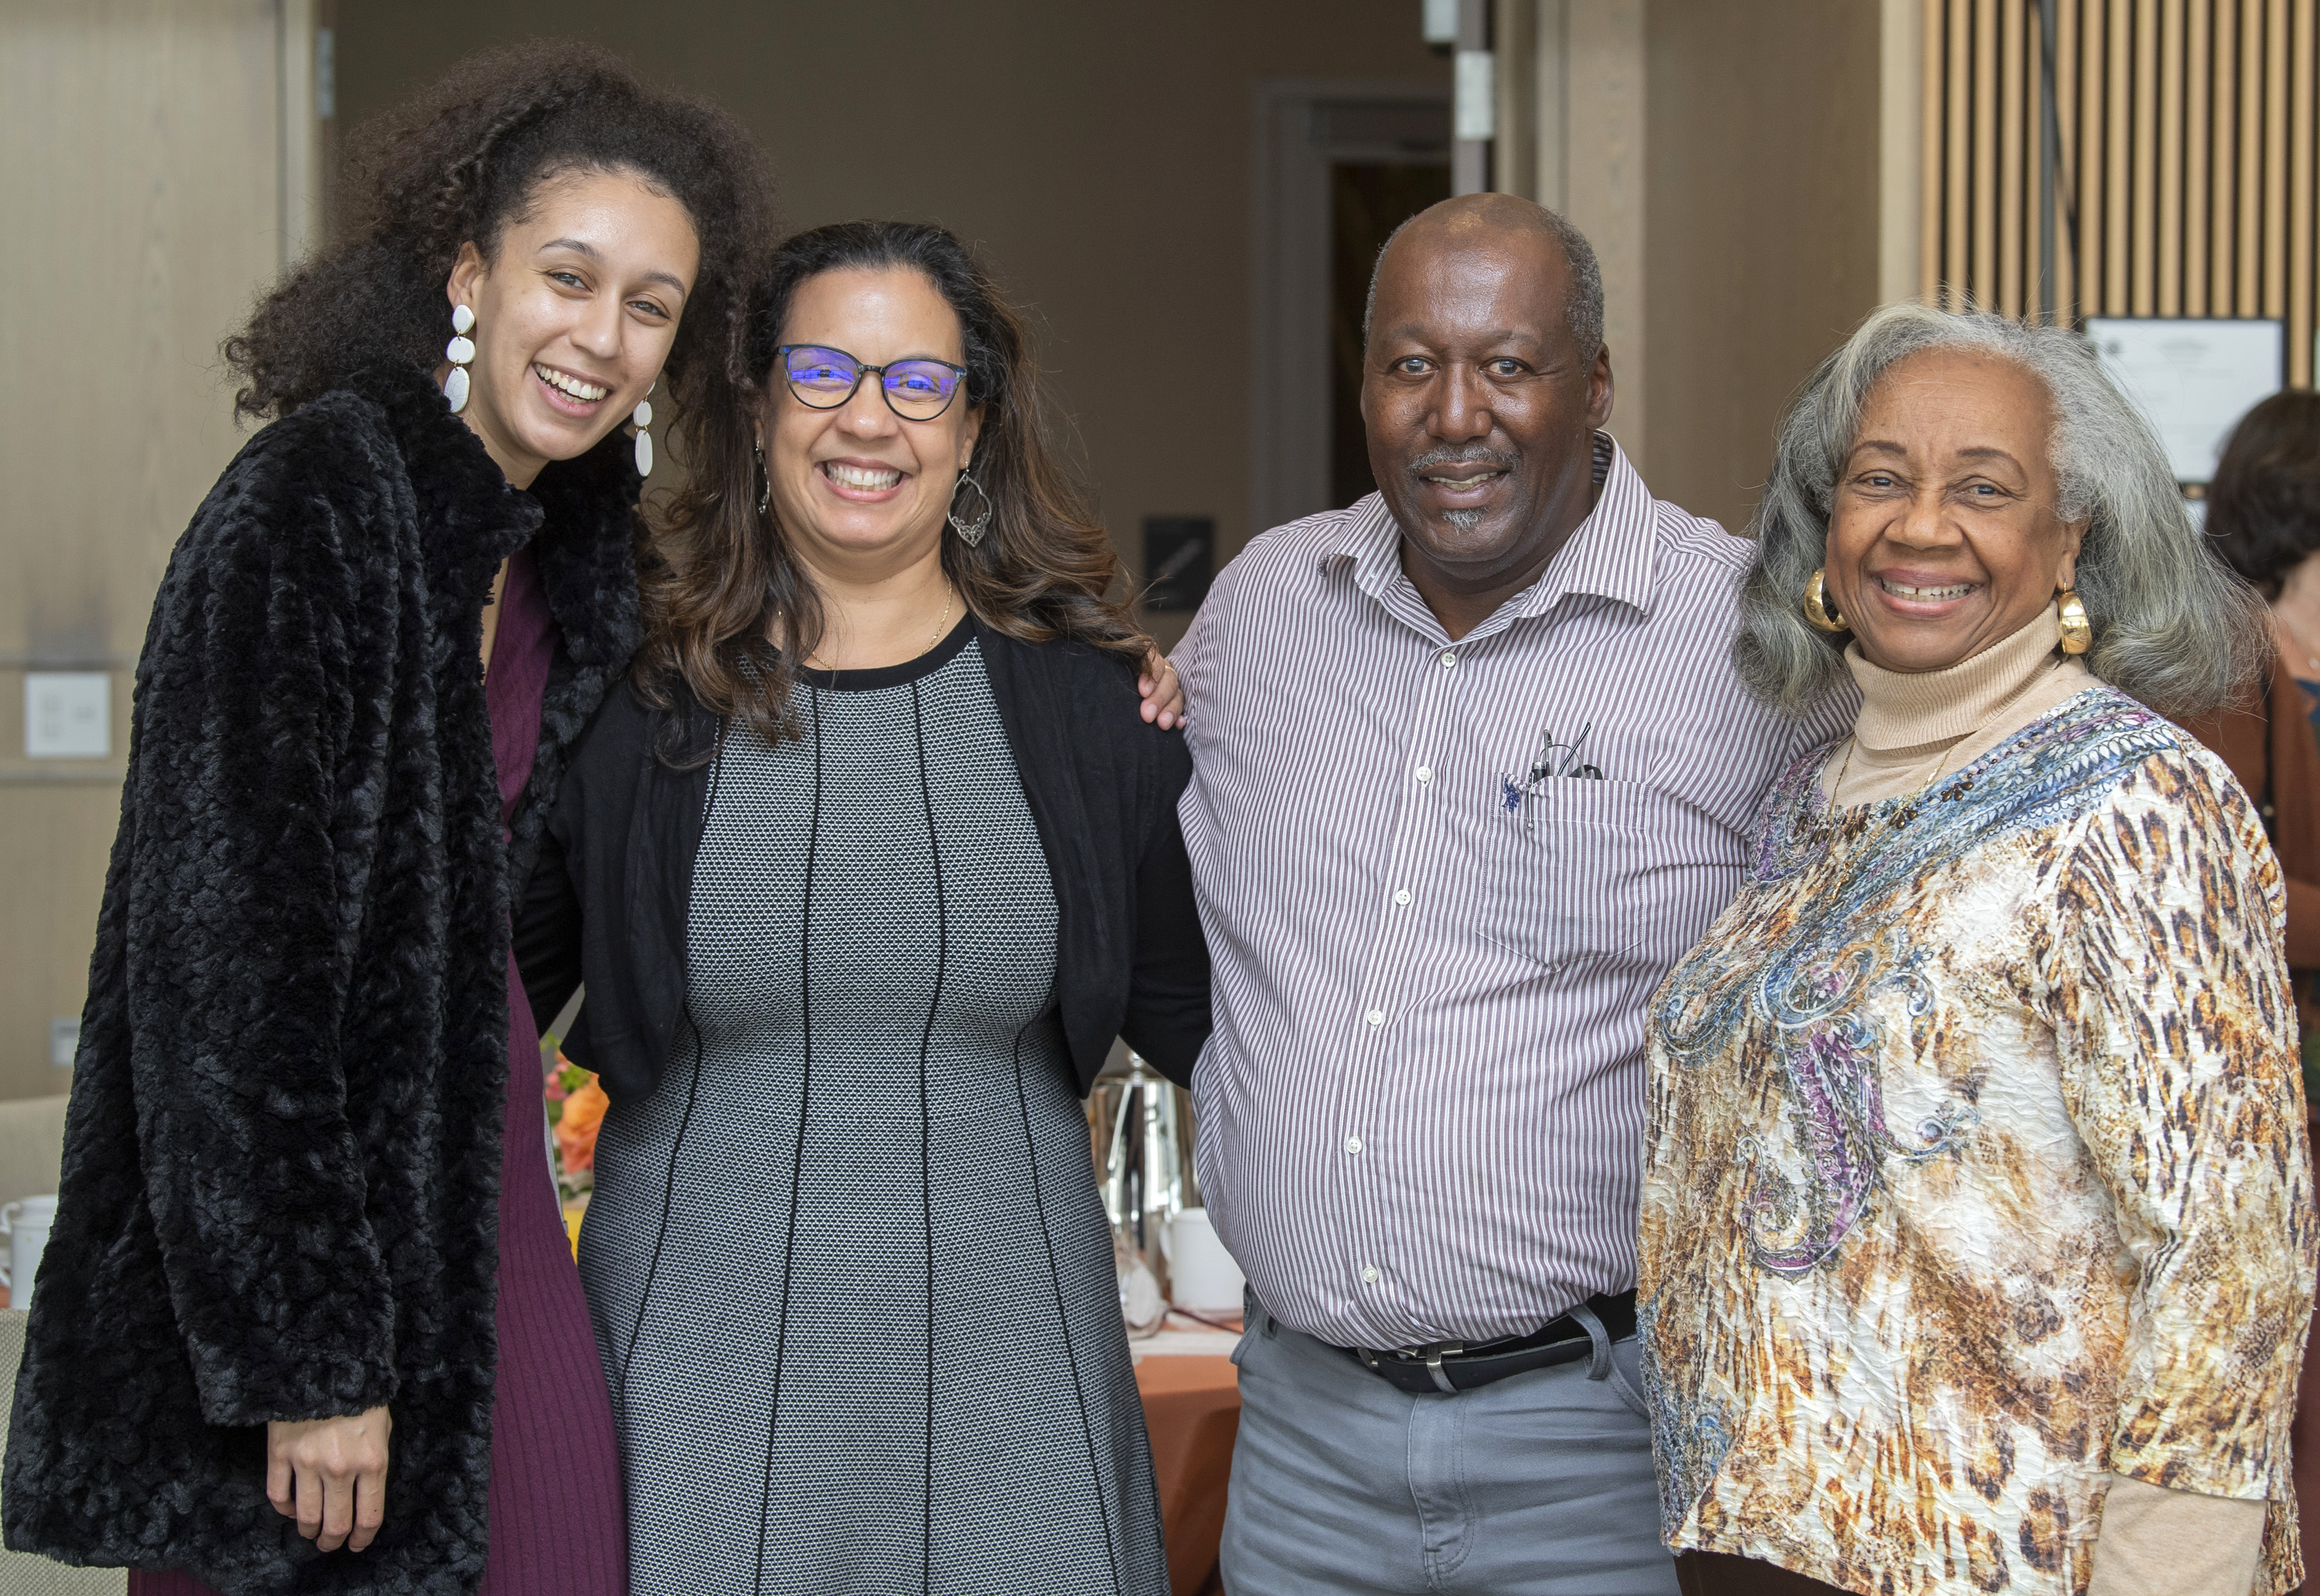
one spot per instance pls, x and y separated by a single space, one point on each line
1179 558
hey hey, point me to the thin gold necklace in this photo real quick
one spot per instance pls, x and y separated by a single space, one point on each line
935 636
1996 715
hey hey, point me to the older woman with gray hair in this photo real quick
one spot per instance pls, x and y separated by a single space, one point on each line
1976 1244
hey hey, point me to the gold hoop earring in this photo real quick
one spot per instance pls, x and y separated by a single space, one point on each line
2077 633
1816 610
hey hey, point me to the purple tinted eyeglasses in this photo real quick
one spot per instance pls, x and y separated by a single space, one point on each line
824 379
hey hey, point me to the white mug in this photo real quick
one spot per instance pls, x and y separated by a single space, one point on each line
1141 1305
25 1224
1202 1275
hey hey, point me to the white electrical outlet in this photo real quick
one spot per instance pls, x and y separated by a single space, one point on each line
68 714
64 1041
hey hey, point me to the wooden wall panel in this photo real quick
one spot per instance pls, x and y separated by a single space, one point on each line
1957 176
2170 198
2301 135
2056 287
2118 156
2024 164
2005 241
2142 283
2223 154
2094 85
1930 196
2198 30
2190 138
2247 256
2275 159
1985 141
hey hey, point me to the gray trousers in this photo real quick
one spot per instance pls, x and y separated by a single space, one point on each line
1540 1484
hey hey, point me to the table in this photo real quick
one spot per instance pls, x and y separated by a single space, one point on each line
1192 1407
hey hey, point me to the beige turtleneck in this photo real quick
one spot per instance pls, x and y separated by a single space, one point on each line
1913 725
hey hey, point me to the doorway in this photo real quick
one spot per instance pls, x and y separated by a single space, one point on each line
1340 166
1368 199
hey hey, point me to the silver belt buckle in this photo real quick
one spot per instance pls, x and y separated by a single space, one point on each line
1433 1357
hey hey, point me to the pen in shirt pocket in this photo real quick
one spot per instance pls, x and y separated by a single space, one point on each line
1552 759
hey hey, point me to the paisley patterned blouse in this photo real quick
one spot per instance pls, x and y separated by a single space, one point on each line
1976 1170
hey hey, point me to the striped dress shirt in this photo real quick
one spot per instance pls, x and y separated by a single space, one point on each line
1440 881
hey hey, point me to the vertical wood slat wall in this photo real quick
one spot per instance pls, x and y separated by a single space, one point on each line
2187 170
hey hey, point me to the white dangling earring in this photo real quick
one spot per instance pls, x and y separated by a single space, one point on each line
642 416
459 352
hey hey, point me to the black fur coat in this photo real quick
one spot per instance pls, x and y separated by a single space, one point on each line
281 1169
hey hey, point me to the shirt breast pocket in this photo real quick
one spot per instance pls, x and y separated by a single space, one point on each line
1605 871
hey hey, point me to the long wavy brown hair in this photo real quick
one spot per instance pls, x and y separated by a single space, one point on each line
722 584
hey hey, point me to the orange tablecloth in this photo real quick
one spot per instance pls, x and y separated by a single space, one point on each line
1191 1406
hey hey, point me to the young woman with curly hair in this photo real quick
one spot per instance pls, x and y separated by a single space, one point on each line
307 1229
863 882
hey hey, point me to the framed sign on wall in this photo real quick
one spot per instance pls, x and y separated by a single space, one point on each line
2193 377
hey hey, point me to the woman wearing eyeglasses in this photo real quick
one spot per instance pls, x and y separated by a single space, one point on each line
863 880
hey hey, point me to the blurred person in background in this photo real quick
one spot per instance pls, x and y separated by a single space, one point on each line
2263 516
1978 1240
863 879
308 1320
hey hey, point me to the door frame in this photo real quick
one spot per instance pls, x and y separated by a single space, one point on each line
1301 128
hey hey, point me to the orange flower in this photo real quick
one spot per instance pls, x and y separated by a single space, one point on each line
575 1127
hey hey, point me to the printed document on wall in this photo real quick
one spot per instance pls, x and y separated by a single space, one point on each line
2193 379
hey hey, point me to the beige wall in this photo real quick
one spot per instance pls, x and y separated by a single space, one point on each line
158 177
1101 156
1097 151
1727 159
144 192
1762 221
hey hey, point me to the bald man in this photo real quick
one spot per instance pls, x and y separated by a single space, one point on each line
1471 769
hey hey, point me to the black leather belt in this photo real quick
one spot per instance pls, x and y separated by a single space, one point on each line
1452 1366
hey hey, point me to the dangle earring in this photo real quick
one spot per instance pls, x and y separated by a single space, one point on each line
970 530
1816 610
642 417
2077 633
765 479
458 352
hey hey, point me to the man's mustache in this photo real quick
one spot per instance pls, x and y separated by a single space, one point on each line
1470 454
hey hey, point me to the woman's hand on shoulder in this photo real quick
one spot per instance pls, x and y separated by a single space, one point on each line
1163 689
330 1475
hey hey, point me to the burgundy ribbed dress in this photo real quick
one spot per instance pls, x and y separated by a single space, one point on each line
558 1524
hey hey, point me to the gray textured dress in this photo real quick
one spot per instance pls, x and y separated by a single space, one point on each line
850 1275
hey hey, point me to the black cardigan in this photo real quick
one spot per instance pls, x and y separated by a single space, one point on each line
281 1165
608 903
